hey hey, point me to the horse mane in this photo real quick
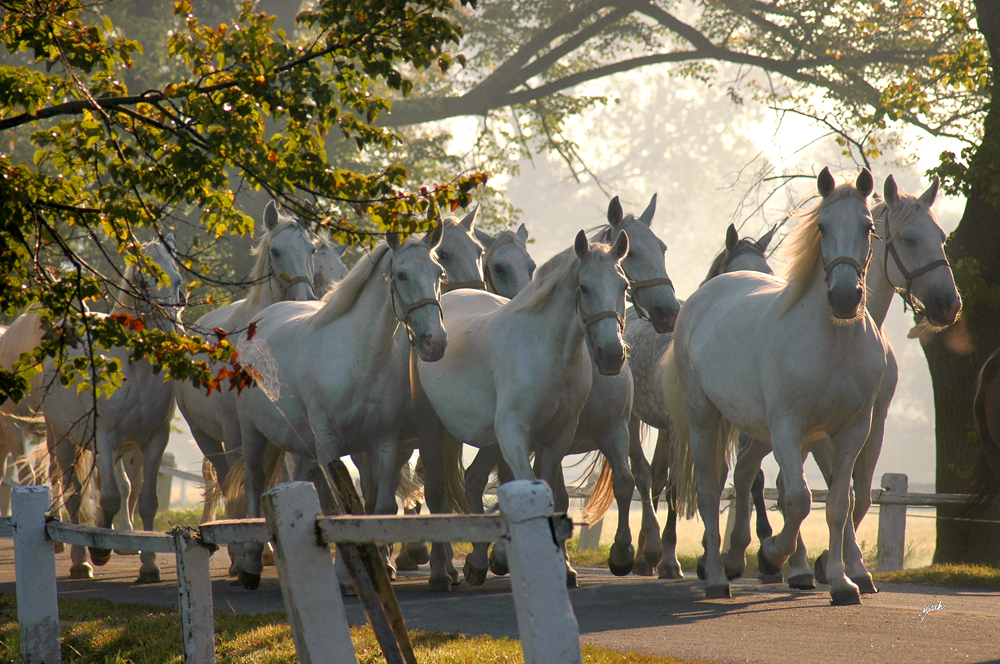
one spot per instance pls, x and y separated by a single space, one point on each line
342 296
260 275
745 244
907 209
804 249
126 301
602 233
548 277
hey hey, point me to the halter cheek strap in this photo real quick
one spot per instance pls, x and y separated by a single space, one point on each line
635 286
408 308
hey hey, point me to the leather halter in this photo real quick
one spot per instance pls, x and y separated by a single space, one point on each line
635 286
286 284
909 276
587 321
475 284
409 307
847 260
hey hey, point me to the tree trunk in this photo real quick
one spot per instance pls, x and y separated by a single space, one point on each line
953 370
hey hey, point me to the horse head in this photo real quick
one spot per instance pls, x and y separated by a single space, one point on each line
460 253
845 229
601 286
507 266
415 291
329 264
289 262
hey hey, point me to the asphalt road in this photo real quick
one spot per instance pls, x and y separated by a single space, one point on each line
759 624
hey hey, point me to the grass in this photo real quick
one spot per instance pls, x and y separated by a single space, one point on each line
167 519
99 631
968 576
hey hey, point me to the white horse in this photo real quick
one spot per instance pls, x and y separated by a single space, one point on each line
332 376
136 415
647 348
284 269
907 232
786 362
603 424
507 267
517 372
329 264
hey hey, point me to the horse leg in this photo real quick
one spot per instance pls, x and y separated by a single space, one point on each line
111 498
864 470
616 448
649 532
385 478
413 554
561 504
477 476
704 422
786 444
748 461
847 444
64 451
431 431
215 455
152 455
128 489
249 564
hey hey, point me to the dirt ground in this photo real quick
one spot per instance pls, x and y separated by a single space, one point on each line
759 624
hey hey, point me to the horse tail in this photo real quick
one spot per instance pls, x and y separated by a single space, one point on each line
986 414
213 491
660 466
682 481
234 488
411 486
601 496
454 474
86 470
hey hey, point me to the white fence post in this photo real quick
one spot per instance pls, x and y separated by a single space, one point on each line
35 566
545 619
194 589
892 526
309 586
590 536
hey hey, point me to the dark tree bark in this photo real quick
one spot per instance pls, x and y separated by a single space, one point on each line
977 237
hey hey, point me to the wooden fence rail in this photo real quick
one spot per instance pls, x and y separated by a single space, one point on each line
533 535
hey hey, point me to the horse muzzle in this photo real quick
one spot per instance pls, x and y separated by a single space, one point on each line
845 300
943 311
431 347
609 362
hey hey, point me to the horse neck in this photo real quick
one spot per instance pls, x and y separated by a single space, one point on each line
557 321
880 290
372 313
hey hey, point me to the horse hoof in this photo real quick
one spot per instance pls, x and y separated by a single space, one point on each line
267 558
474 576
405 562
440 584
571 579
802 582
100 557
767 579
390 569
641 567
150 576
418 552
126 553
765 566
670 572
233 569
496 566
620 559
819 569
865 584
248 580
701 568
81 571
652 558
845 596
58 547
718 592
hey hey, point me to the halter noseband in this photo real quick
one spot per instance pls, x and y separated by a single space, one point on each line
587 321
909 276
286 284
847 260
407 308
635 286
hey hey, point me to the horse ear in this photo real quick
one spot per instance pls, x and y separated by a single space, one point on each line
766 240
170 242
825 184
932 191
484 238
392 239
615 212
620 248
270 215
890 191
522 232
433 239
865 184
339 248
647 215
732 237
470 219
580 245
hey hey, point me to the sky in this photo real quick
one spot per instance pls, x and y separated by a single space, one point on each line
699 152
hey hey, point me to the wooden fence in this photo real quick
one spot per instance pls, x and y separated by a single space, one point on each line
301 537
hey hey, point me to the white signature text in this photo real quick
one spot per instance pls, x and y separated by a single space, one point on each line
930 608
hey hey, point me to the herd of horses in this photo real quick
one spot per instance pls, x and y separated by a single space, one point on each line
457 339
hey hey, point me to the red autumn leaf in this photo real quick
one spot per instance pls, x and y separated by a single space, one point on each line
220 333
136 325
251 330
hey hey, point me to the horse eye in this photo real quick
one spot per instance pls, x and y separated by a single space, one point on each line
401 276
275 252
443 255
584 290
499 269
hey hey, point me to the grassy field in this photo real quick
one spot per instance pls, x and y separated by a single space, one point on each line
97 631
